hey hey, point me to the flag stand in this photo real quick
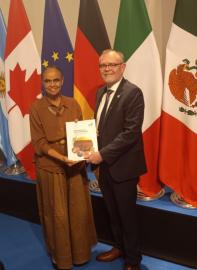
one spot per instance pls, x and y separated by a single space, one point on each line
14 169
178 200
144 197
94 187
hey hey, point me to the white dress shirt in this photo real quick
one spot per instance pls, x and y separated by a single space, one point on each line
114 87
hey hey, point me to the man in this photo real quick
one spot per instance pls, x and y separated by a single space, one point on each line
120 155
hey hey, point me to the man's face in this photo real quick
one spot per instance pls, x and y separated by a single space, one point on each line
111 67
52 81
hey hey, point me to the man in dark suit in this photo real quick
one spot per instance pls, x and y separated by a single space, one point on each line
120 156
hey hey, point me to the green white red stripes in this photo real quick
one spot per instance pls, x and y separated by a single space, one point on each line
134 37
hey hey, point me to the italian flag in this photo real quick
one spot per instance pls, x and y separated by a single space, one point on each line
23 85
178 168
91 40
135 38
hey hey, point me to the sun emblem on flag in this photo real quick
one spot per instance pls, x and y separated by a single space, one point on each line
183 86
2 84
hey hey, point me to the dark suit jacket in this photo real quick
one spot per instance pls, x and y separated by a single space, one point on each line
120 142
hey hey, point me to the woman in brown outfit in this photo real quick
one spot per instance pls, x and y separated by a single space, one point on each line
62 187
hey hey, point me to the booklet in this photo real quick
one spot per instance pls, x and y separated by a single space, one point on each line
81 138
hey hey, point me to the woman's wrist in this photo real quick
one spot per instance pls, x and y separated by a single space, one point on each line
64 158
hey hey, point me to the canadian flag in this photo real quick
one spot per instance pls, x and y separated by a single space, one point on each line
23 85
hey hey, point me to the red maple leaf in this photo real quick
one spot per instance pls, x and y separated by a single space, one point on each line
24 92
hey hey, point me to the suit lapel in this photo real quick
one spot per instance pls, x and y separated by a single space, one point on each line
114 101
99 98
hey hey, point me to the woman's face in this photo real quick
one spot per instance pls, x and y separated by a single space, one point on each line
52 81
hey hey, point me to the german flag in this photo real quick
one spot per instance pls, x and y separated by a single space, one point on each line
91 40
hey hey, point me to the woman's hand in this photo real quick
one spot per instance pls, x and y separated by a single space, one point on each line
69 162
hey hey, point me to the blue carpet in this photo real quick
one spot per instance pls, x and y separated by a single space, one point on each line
22 248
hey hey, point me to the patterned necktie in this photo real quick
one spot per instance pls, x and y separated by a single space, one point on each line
103 113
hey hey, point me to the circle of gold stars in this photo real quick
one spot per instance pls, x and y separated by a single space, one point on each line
55 57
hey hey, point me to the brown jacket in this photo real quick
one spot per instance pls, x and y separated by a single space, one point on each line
47 125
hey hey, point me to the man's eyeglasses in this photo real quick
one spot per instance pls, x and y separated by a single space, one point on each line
55 81
110 65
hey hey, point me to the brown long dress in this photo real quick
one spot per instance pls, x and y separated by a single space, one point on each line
63 196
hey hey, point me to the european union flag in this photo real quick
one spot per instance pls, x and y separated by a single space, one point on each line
5 145
57 48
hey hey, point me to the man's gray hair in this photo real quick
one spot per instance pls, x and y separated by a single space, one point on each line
118 52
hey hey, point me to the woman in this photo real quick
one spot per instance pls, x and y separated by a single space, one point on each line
62 187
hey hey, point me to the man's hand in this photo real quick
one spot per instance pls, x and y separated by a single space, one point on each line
93 157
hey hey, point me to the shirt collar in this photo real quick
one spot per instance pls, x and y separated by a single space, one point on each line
114 87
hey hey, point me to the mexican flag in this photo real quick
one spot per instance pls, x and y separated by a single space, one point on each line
135 38
178 168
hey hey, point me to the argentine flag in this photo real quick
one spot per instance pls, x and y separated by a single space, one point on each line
4 134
